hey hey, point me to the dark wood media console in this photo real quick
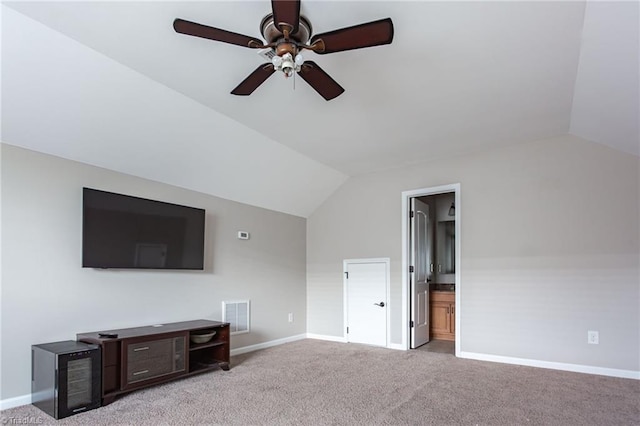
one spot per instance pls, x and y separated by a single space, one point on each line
144 356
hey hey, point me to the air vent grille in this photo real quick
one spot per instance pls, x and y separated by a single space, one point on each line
236 313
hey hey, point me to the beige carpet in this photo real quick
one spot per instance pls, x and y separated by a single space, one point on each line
312 382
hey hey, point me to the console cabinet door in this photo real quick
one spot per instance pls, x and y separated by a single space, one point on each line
110 367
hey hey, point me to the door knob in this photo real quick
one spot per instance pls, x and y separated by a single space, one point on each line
381 304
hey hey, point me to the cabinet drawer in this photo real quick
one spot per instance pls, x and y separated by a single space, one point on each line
145 350
155 358
443 296
150 367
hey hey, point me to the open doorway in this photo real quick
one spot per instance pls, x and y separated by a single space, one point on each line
431 287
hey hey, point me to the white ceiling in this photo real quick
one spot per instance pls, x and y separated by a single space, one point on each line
111 84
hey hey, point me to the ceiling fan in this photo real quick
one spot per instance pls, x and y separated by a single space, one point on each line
288 34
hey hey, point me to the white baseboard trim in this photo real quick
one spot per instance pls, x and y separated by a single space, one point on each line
325 337
17 401
397 346
264 345
576 368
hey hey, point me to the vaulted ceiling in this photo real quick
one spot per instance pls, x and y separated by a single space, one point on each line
113 85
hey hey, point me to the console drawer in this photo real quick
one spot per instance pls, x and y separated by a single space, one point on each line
155 358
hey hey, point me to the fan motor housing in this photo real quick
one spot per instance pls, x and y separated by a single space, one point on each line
272 33
284 47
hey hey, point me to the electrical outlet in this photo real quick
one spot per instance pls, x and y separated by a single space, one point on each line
290 317
593 337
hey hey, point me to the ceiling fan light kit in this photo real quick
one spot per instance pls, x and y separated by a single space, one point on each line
287 63
288 34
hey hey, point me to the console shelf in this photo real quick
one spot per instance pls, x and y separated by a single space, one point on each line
144 356
196 346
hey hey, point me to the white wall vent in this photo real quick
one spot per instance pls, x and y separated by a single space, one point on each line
236 313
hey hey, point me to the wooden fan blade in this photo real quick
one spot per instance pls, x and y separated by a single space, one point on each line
191 28
286 13
364 35
320 80
255 79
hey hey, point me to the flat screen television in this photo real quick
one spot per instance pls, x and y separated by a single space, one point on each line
125 232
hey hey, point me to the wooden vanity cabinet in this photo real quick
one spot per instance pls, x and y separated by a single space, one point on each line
442 312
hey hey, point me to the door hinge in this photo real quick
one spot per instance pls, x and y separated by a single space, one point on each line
410 268
346 274
347 330
411 324
411 214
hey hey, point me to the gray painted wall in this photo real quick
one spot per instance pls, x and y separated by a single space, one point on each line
47 295
550 250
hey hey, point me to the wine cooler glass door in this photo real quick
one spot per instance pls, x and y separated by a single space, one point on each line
79 382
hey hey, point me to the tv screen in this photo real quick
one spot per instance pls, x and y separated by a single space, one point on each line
121 231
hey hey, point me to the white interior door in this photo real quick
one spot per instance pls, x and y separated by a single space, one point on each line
421 275
366 284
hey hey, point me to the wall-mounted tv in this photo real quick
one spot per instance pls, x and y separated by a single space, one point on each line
125 232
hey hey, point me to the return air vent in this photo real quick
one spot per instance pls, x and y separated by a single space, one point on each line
236 313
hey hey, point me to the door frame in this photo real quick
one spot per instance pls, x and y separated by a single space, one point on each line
387 262
406 251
